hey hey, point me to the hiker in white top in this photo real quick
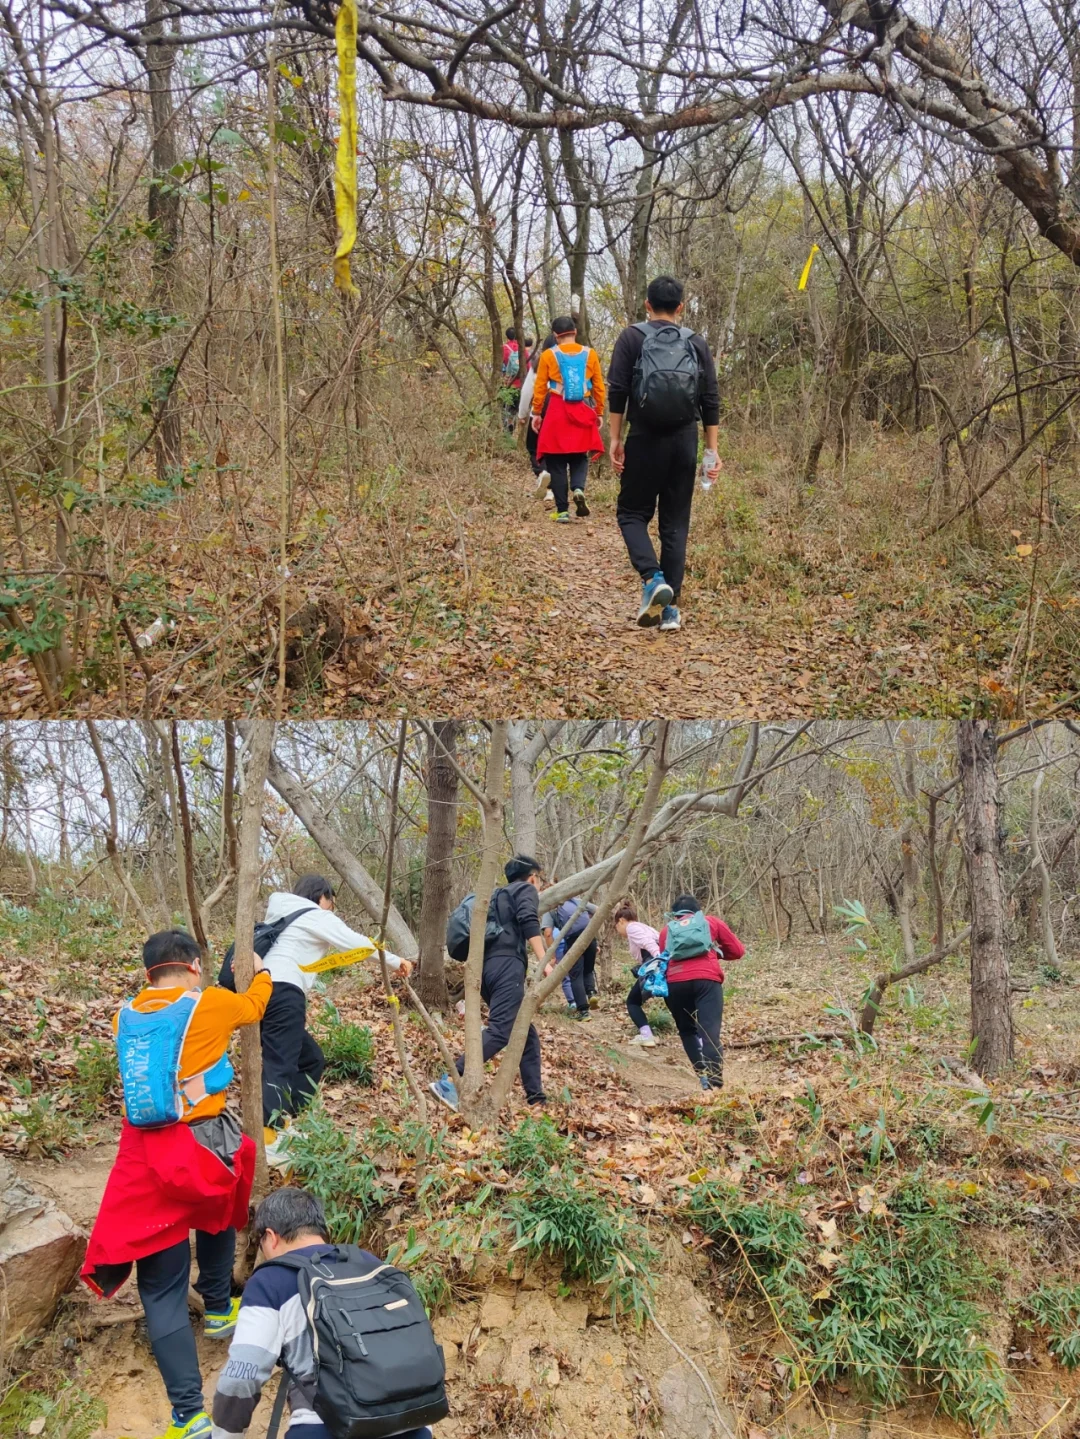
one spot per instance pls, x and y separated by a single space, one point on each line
292 1059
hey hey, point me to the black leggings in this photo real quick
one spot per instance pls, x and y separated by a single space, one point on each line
635 1005
697 1007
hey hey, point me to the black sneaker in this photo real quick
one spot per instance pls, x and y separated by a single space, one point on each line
581 504
535 1099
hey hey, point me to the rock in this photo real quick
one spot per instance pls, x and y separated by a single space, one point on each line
497 1311
685 1410
41 1250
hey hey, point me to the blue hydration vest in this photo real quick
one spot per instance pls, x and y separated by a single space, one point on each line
575 386
148 1045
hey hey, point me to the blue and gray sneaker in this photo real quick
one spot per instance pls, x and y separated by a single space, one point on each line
655 594
670 619
445 1091
705 1081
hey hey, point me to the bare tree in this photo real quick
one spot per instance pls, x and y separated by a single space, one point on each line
991 991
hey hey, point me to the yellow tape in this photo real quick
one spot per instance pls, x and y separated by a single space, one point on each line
345 165
806 268
340 960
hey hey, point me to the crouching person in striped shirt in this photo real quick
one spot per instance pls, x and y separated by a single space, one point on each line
353 1339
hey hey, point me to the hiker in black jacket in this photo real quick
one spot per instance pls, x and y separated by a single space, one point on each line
658 459
502 987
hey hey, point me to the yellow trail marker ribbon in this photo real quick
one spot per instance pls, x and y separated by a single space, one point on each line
345 164
806 268
342 958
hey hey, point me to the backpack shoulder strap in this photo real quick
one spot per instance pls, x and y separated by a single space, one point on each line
642 325
686 333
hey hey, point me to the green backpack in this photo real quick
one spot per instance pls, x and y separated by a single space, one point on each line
688 936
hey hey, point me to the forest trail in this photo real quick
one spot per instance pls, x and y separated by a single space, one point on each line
549 616
783 613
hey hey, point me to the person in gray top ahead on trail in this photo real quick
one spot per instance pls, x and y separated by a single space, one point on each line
662 380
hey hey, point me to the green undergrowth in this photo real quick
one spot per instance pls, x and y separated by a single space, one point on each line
349 1048
887 1300
1055 1309
68 1414
530 1195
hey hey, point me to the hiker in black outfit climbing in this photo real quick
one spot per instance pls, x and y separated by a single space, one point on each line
514 912
662 380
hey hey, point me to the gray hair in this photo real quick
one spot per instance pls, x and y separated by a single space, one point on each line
291 1212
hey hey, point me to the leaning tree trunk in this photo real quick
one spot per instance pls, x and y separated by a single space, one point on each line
164 215
442 814
991 997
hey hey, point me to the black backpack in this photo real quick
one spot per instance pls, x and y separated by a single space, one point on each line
666 377
459 926
266 936
378 1369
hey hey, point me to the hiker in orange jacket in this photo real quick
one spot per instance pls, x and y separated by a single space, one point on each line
169 1178
569 378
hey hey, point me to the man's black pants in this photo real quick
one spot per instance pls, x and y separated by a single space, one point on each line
697 1006
658 476
163 1288
502 989
293 1063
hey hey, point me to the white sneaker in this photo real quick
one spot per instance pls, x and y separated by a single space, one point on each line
644 1041
277 1153
543 484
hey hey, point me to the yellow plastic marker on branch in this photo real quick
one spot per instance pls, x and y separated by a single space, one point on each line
345 165
341 959
806 268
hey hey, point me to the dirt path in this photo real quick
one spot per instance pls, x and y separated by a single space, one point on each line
548 619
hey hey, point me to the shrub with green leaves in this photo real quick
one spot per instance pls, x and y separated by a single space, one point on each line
49 1127
98 1073
899 1309
1056 1308
69 1414
535 1144
349 1048
563 1216
332 1166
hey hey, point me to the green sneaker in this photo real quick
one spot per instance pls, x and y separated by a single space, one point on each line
220 1326
197 1427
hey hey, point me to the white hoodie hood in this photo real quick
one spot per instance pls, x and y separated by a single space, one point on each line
315 934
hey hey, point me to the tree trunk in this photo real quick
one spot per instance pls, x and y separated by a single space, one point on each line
398 935
491 807
260 743
442 799
111 836
991 997
164 216
1042 875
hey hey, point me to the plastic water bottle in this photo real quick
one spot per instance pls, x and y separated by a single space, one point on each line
709 462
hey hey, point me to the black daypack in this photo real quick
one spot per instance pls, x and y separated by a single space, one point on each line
459 926
378 1369
265 937
666 377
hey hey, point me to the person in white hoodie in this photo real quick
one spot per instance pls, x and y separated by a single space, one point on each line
292 1061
